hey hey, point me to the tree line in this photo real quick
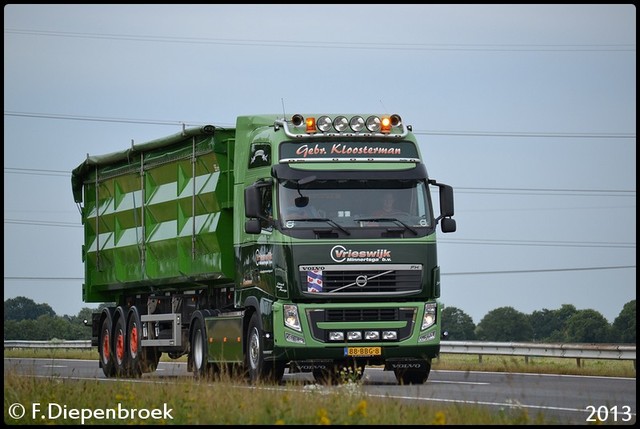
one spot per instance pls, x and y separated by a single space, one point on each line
565 325
24 319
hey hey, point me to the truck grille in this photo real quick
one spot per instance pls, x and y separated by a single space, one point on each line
381 280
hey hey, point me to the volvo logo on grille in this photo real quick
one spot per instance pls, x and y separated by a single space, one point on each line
361 280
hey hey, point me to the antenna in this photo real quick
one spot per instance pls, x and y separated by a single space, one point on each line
284 114
384 108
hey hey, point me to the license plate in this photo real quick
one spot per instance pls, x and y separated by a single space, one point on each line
363 351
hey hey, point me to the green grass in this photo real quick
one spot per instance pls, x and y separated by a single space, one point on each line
537 365
233 403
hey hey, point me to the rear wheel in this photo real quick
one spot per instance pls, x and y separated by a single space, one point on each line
120 348
104 348
135 353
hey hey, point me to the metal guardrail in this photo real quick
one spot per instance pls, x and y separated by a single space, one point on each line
53 344
585 351
575 351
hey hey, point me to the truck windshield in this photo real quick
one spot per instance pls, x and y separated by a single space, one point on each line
349 205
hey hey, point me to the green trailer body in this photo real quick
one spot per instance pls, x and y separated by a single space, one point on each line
159 215
190 239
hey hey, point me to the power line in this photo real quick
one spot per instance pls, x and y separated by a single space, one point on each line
586 244
539 243
416 132
528 134
549 270
42 223
44 278
96 118
36 172
472 190
468 273
503 47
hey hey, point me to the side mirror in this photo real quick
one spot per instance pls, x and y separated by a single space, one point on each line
252 226
252 202
446 200
448 225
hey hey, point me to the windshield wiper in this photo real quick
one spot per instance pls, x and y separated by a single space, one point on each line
386 219
323 219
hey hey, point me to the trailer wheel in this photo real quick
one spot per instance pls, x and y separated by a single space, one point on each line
257 368
135 353
104 348
120 347
199 356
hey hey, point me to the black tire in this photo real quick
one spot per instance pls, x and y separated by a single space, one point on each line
257 369
413 376
120 347
152 357
105 349
135 354
199 354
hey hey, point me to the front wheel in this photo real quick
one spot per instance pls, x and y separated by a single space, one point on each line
257 368
199 355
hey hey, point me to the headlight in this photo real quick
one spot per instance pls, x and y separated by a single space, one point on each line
373 124
291 318
356 123
324 123
429 318
340 123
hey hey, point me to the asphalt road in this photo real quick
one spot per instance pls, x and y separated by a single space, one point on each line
569 399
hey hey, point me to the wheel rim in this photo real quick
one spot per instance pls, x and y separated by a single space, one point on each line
254 349
198 348
106 354
133 341
120 346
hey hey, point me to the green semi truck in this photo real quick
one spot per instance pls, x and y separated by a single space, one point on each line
302 242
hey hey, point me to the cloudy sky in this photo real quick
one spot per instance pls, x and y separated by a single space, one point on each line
528 111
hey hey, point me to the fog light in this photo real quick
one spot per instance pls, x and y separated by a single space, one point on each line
293 338
336 336
372 335
354 335
426 337
389 335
